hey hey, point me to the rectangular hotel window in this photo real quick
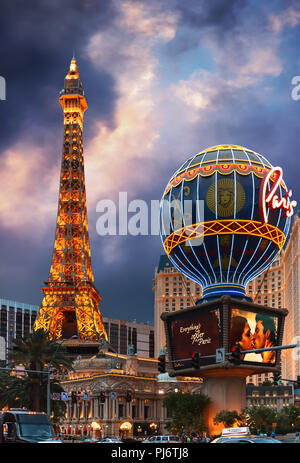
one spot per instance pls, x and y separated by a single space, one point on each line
11 322
123 339
26 323
151 344
133 414
134 338
121 411
114 336
3 326
33 317
19 323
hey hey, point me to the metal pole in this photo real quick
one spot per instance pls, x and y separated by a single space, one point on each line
291 346
48 391
48 379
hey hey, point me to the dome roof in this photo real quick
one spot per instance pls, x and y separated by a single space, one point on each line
222 154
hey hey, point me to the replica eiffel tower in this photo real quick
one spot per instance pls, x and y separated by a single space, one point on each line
70 307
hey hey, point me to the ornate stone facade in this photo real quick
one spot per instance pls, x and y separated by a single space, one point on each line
116 376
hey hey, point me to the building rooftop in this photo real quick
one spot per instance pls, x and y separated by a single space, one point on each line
164 263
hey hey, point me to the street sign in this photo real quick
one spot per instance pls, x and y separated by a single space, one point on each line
113 396
64 396
220 355
86 396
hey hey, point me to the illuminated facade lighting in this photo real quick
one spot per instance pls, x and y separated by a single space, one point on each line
71 302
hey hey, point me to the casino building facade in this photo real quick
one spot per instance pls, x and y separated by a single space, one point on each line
120 376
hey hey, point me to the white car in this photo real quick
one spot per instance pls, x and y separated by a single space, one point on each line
246 440
110 440
242 436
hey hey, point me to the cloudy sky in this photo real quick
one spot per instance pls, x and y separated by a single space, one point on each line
164 80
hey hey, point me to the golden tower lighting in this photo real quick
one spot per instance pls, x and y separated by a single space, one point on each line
70 306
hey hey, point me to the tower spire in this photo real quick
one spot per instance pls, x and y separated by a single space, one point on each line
71 302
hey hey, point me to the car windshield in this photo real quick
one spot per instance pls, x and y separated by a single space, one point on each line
36 430
237 441
265 440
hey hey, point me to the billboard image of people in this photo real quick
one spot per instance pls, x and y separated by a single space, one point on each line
192 332
254 330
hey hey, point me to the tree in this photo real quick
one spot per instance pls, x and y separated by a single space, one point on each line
15 392
187 411
288 419
228 418
259 418
35 353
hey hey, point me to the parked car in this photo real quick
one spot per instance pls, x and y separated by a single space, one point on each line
90 440
242 436
246 440
110 440
163 440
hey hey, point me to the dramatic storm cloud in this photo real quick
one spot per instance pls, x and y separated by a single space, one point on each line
163 81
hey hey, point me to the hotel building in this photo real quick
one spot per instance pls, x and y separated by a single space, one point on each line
172 291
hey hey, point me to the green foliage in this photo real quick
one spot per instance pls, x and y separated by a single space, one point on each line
35 352
187 411
228 418
259 418
14 392
288 419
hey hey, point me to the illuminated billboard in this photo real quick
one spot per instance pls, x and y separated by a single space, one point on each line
200 332
220 324
254 330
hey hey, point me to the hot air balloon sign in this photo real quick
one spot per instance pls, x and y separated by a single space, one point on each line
225 215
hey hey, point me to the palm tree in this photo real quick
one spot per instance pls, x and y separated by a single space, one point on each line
36 352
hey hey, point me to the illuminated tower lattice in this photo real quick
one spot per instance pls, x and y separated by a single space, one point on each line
71 302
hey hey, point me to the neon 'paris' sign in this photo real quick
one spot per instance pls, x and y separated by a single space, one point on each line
271 199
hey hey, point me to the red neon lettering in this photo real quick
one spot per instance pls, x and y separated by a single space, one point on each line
271 199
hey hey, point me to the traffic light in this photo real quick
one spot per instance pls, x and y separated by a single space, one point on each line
128 396
162 364
276 378
196 360
298 382
102 397
236 354
74 397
